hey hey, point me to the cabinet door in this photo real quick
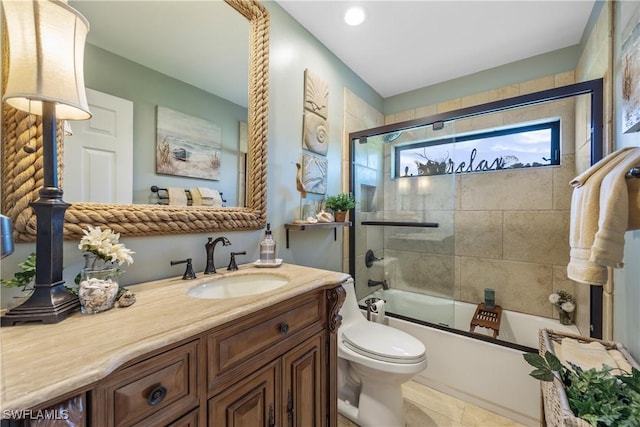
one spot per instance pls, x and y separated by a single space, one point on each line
303 385
251 402
189 420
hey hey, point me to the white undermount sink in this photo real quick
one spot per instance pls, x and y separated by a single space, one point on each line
238 286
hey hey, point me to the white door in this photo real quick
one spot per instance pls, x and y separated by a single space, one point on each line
98 157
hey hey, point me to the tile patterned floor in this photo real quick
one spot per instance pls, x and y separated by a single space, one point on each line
425 407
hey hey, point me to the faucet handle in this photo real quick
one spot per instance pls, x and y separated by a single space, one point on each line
232 262
370 258
188 273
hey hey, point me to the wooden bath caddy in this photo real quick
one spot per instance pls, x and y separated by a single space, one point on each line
487 318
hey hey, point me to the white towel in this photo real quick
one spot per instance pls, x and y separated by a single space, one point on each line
608 245
196 197
580 180
177 196
594 204
590 355
210 197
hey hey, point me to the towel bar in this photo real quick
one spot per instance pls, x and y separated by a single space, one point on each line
163 198
634 172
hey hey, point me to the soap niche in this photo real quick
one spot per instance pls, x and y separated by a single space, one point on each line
368 198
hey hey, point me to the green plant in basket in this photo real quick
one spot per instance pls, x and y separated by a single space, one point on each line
599 397
341 202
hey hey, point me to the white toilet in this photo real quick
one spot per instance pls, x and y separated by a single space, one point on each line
374 360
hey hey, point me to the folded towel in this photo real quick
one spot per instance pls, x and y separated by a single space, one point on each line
608 244
210 197
177 196
622 362
590 205
579 180
196 197
585 355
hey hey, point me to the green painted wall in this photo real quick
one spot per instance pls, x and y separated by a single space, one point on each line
148 89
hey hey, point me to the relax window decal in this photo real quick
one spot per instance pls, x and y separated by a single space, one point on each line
523 146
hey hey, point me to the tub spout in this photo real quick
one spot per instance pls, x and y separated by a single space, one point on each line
383 283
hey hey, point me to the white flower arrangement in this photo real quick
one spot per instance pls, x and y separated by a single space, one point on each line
563 300
104 244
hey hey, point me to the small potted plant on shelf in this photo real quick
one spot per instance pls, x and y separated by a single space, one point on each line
340 204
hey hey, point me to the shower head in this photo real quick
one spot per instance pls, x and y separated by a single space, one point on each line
392 136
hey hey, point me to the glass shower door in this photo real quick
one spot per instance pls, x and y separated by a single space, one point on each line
404 223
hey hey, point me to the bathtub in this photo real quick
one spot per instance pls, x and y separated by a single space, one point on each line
475 368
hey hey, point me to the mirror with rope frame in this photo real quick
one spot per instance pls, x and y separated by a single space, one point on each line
22 171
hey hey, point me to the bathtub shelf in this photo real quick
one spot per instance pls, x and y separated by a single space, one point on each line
305 226
487 318
402 224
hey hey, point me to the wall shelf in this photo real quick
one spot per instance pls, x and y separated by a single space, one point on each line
305 226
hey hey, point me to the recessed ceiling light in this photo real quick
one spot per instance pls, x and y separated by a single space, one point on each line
354 16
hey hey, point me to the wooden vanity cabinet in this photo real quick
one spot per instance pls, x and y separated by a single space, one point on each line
286 392
289 392
274 367
303 385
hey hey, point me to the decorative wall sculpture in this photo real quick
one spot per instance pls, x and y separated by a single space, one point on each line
314 174
316 94
316 133
315 126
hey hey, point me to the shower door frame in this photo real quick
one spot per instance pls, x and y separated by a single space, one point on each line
594 88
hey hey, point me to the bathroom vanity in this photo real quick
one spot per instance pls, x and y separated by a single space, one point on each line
268 359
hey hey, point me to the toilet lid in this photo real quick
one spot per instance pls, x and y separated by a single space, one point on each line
384 343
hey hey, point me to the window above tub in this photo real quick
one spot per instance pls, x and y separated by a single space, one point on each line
523 145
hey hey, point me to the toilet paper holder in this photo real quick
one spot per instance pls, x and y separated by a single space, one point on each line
371 306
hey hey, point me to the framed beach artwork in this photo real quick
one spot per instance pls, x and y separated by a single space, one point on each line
631 82
187 145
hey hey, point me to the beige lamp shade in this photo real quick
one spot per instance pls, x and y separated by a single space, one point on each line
46 58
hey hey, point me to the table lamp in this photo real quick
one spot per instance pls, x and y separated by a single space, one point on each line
46 59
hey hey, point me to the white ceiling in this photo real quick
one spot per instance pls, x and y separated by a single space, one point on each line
402 46
407 45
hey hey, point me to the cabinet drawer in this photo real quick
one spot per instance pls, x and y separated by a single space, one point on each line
260 332
163 386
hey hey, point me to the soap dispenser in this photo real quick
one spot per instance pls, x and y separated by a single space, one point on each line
268 248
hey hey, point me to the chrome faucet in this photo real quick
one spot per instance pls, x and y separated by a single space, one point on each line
383 283
210 246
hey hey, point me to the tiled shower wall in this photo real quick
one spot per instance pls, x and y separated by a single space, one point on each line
507 230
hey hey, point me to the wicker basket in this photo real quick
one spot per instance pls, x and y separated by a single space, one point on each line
556 410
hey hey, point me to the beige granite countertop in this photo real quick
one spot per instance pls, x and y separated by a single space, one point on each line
39 362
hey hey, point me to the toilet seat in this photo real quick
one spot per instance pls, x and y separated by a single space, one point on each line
383 343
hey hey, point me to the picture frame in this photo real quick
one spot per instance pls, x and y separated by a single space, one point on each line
187 146
630 60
